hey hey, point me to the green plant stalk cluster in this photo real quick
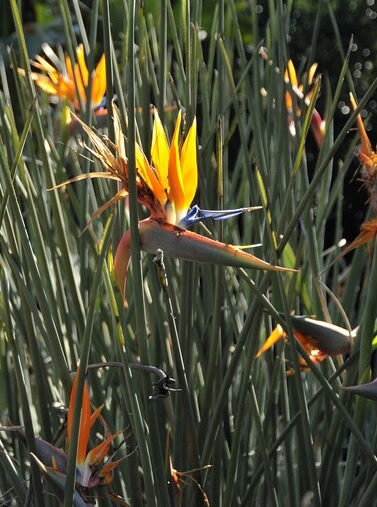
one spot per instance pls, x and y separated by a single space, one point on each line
240 430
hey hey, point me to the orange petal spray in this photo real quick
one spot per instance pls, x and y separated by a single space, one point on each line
69 80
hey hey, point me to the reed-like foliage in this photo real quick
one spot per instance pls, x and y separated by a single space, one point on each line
242 430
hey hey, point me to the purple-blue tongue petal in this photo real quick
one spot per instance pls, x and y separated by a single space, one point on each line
197 214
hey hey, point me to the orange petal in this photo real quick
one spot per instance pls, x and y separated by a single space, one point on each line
85 424
82 64
189 167
312 71
96 455
95 415
276 335
310 344
366 146
45 83
106 472
324 336
42 64
160 151
368 232
148 176
176 191
290 74
99 82
81 72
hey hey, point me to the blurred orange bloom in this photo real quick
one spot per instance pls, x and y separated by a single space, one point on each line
68 80
303 92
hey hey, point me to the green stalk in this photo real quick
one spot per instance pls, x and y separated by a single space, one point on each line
369 495
306 443
368 323
186 26
53 343
81 24
229 374
87 116
70 37
183 350
161 99
109 52
36 219
77 303
176 43
150 448
190 423
214 367
294 419
157 487
231 479
308 195
20 147
28 314
12 474
129 390
213 374
24 401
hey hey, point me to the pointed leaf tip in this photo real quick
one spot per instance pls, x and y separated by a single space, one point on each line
186 245
368 390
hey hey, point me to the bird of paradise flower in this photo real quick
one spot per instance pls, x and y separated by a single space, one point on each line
368 172
166 186
320 339
91 468
317 124
68 80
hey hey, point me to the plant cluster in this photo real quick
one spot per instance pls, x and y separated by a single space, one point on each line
170 149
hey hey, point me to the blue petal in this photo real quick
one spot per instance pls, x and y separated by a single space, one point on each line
198 215
103 103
